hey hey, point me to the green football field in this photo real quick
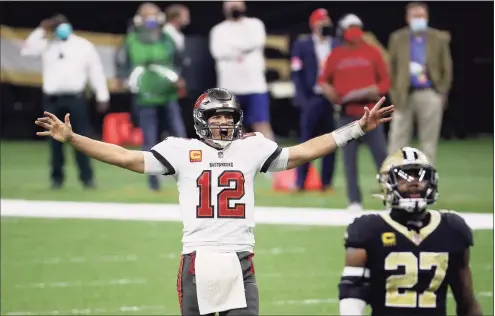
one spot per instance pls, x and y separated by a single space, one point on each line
109 267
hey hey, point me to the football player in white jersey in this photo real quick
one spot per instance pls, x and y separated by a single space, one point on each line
215 177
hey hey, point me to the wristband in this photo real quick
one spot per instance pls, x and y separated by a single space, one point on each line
347 133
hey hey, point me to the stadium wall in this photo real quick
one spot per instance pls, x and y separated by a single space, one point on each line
104 25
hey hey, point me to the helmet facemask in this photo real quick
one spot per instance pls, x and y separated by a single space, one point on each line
409 187
221 135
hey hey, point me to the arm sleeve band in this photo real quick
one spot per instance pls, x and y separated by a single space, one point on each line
347 133
152 165
280 163
352 307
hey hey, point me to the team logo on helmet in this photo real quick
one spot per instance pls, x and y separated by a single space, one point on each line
202 99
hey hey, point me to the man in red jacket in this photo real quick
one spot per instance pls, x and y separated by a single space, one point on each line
355 76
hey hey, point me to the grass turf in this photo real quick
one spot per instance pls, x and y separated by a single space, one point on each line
465 168
118 267
113 267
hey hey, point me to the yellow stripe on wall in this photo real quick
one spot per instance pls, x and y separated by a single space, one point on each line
106 39
277 42
35 80
21 78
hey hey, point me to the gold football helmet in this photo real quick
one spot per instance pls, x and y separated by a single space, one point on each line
408 181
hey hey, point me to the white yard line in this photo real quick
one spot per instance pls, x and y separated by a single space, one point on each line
95 310
309 301
170 212
320 301
131 257
79 283
74 260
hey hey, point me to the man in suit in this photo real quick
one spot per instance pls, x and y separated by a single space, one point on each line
308 58
421 73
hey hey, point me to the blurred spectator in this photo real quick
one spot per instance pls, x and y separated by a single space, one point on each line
421 72
68 62
148 62
308 59
355 76
237 45
177 18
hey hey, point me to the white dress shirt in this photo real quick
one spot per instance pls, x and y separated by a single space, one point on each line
323 48
67 65
240 71
176 35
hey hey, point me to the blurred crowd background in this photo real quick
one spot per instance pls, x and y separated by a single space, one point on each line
104 24
107 77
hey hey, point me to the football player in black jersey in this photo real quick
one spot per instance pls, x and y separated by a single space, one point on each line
401 262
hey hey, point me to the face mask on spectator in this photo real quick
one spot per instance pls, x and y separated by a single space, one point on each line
326 30
353 34
418 24
151 23
149 30
236 13
62 31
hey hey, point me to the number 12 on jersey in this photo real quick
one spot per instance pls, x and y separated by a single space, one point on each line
205 208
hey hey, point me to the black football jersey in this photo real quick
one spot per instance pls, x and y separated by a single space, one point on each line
409 270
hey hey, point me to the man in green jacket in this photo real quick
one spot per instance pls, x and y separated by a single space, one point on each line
148 62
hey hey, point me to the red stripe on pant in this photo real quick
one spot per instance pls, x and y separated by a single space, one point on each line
250 259
179 282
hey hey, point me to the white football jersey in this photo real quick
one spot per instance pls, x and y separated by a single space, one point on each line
216 189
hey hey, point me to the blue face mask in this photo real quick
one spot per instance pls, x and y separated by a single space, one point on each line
63 31
419 24
151 23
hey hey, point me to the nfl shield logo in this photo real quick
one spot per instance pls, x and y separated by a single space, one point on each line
220 154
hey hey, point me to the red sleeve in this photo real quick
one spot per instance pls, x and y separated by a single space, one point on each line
326 75
382 75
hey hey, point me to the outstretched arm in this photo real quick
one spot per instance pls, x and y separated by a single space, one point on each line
323 145
109 153
112 154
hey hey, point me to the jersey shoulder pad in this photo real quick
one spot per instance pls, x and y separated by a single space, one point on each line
263 150
170 152
455 221
258 134
361 230
177 142
254 138
172 147
246 135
